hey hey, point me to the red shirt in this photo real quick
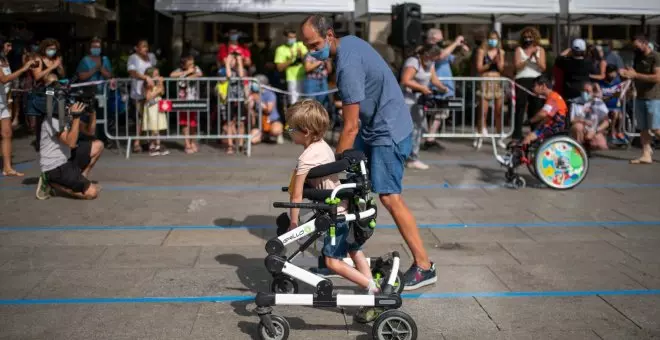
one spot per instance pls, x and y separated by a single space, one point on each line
225 50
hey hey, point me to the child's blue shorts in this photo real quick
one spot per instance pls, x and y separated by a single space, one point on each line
342 244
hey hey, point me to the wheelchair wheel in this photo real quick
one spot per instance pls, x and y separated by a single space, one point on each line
284 285
281 326
561 163
394 325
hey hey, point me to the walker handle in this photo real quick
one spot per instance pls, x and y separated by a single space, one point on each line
312 206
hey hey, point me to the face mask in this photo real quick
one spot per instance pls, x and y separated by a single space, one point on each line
528 42
51 52
254 87
611 76
606 49
233 37
586 96
96 51
492 42
440 43
291 41
35 48
323 53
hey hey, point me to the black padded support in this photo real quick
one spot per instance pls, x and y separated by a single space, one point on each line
388 301
328 169
320 195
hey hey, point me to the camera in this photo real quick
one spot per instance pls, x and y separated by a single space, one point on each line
62 91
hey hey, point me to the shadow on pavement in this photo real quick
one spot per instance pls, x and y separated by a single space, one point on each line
496 176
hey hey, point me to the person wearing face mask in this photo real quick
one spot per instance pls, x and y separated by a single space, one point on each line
443 70
233 46
646 76
270 117
188 90
376 121
574 69
529 61
94 66
417 76
612 92
589 119
611 56
6 78
49 62
490 63
317 77
289 59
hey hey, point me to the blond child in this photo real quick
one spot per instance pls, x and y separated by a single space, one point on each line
153 120
307 124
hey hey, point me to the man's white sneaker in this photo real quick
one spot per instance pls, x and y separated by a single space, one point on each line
417 165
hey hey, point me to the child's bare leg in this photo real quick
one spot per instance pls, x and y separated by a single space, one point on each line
342 268
186 141
361 264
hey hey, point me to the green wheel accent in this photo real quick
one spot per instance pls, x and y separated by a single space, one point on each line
372 224
576 159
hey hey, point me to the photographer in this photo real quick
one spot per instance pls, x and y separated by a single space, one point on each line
66 160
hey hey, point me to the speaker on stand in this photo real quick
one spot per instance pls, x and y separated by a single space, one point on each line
406 26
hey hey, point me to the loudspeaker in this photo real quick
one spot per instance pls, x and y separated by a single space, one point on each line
406 25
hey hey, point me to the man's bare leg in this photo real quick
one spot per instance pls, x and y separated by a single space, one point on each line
91 193
407 225
97 149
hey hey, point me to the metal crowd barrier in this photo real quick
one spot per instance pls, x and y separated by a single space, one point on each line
464 109
210 103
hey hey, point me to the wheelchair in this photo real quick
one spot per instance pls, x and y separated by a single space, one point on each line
361 218
558 161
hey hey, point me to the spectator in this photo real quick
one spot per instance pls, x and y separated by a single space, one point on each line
138 63
61 168
155 121
270 116
235 117
95 67
589 119
611 56
574 70
233 46
289 59
317 78
490 63
443 70
6 78
188 90
612 92
598 64
529 61
417 76
49 61
646 75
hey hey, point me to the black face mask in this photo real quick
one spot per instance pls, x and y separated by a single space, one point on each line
528 42
440 43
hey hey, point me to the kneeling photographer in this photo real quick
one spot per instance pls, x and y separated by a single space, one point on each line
66 159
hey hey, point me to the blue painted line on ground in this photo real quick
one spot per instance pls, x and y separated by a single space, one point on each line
409 296
444 185
384 226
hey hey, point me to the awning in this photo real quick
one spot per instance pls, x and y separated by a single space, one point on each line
285 11
614 12
72 7
470 11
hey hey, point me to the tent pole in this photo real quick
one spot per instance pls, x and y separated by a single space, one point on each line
643 24
351 24
568 29
184 18
557 42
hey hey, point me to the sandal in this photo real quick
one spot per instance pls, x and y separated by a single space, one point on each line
12 173
640 161
189 150
230 150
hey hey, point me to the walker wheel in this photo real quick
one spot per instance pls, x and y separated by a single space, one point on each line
510 176
394 325
281 326
519 182
284 285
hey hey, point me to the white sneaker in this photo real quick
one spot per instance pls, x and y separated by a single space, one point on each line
417 165
280 139
501 143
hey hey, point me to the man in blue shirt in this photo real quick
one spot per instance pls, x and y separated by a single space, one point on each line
376 121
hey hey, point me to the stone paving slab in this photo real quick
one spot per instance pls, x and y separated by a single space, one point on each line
633 232
475 234
148 257
642 310
641 334
55 257
647 274
571 234
566 252
66 283
41 322
556 277
82 238
468 253
645 251
508 335
540 314
18 283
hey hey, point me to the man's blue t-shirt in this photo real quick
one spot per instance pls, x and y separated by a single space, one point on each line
364 77
268 96
87 64
443 69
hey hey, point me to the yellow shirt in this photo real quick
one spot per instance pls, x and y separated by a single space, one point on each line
286 53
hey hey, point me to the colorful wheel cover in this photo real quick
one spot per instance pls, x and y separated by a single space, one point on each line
561 164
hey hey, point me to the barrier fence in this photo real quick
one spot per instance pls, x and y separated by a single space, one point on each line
213 108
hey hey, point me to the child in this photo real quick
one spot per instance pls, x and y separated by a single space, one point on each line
154 121
236 93
612 88
589 119
551 118
188 90
308 122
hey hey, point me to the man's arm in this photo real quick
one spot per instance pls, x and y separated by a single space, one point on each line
350 82
350 115
89 128
650 78
450 49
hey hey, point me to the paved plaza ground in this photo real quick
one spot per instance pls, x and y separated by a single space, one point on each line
190 229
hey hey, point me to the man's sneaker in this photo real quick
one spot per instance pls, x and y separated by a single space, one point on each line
417 277
368 314
44 191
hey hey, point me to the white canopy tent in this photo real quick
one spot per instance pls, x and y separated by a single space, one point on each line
614 12
470 11
250 11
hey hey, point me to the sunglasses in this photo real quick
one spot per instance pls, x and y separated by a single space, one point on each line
290 130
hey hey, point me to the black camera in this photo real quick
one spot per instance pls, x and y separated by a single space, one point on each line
62 91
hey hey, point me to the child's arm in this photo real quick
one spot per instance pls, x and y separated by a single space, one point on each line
296 196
